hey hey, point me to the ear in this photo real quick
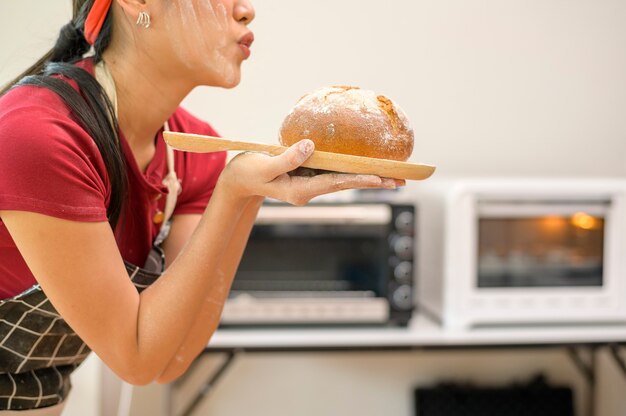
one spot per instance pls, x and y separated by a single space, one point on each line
133 7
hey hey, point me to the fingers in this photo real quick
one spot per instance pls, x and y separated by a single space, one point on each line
282 177
343 181
304 189
291 159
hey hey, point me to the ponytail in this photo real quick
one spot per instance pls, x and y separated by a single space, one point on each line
91 107
70 44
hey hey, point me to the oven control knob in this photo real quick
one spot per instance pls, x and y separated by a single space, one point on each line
403 247
401 297
403 272
404 222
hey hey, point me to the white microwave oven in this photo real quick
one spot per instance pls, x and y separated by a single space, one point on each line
522 251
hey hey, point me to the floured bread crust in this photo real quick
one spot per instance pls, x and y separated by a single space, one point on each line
352 121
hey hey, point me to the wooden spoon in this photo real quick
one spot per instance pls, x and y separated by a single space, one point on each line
319 160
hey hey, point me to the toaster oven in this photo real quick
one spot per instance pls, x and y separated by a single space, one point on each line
343 263
514 251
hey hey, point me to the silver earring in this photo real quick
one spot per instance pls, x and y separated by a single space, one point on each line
143 20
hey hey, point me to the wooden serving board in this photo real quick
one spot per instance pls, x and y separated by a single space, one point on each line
319 160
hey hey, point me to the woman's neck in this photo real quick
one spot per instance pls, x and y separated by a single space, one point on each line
146 95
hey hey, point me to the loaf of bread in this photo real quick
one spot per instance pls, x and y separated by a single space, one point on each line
351 121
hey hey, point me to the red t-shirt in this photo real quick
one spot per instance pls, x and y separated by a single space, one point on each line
50 165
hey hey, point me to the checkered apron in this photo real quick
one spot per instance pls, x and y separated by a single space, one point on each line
38 350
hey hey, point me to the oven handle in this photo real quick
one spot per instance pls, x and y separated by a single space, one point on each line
533 210
336 214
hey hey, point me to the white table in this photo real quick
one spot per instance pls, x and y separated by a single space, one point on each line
422 333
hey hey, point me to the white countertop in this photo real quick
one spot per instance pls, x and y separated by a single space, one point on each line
421 333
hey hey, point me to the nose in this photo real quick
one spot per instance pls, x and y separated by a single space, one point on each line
244 12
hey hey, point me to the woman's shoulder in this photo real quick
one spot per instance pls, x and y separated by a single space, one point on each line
39 98
40 137
31 98
35 113
31 115
50 164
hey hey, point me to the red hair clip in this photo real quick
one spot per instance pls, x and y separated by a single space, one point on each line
95 19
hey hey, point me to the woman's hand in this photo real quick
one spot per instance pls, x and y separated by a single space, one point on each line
250 174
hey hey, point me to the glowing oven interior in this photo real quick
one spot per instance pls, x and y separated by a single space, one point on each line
542 251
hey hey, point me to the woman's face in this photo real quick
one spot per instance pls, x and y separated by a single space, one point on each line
207 39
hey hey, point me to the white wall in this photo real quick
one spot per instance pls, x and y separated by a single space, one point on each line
493 87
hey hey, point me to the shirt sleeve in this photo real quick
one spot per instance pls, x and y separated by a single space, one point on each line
50 165
201 172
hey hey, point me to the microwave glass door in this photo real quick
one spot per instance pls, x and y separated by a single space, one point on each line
321 251
524 245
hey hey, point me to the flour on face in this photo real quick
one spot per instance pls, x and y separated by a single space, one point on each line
199 31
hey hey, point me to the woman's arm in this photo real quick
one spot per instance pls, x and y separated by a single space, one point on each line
206 321
79 266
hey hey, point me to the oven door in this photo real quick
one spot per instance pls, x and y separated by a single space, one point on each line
324 264
535 245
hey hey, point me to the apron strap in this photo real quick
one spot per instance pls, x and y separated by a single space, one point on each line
173 187
104 77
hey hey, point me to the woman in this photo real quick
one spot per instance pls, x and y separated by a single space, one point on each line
89 192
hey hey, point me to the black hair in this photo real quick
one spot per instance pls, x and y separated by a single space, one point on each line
91 107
